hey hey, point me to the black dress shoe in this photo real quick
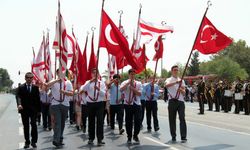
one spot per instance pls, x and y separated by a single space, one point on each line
26 146
33 145
157 129
90 142
56 144
100 143
173 139
183 140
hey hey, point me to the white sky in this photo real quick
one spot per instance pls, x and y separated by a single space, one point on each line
23 23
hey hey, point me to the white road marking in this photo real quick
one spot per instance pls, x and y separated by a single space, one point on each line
20 130
218 128
160 143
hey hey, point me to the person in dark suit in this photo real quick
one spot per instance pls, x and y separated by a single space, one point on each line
28 104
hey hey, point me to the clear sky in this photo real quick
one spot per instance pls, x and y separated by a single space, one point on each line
23 22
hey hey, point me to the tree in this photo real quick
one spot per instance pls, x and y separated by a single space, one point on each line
224 68
193 68
238 52
165 73
5 82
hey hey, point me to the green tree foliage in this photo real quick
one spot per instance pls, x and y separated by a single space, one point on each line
5 82
238 52
224 68
193 68
165 73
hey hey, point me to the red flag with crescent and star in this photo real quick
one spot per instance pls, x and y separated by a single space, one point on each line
114 41
158 48
209 39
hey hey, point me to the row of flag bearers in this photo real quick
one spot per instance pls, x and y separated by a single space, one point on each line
89 101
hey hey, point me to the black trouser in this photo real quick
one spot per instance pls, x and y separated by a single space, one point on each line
151 109
106 113
133 114
71 112
29 117
175 106
201 99
247 104
226 103
217 103
84 115
95 112
46 115
118 110
192 96
143 106
237 106
210 103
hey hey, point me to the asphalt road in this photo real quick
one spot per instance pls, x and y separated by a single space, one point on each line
212 131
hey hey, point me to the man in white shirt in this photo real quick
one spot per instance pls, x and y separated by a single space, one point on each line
176 89
61 95
132 104
95 93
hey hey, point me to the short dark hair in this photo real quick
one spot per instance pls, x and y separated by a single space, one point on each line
131 70
28 73
115 76
174 66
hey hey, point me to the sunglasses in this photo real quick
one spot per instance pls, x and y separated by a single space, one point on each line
29 77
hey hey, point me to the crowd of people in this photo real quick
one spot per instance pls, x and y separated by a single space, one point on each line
220 95
87 106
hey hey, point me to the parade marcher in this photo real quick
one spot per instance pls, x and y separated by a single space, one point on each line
28 104
78 110
106 105
227 96
176 104
45 100
192 93
238 96
62 92
82 96
165 94
116 106
152 95
247 98
95 93
143 103
210 96
132 104
218 95
201 95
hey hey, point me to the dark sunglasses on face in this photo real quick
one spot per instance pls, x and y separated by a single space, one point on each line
29 77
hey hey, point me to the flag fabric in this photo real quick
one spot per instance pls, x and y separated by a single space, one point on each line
141 58
77 64
48 68
84 61
38 65
112 69
70 47
148 31
114 41
158 48
210 40
63 47
92 60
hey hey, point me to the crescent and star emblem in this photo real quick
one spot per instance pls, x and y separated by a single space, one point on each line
213 37
108 36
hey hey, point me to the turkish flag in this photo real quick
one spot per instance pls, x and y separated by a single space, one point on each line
158 48
114 41
141 57
209 39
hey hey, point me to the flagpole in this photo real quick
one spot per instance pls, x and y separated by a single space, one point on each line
59 44
185 69
137 32
98 50
55 53
162 23
120 25
44 55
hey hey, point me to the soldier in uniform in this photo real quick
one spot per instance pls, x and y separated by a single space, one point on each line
247 98
218 95
209 96
201 95
238 96
227 90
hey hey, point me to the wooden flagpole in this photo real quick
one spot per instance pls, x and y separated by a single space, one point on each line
59 44
98 50
185 69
